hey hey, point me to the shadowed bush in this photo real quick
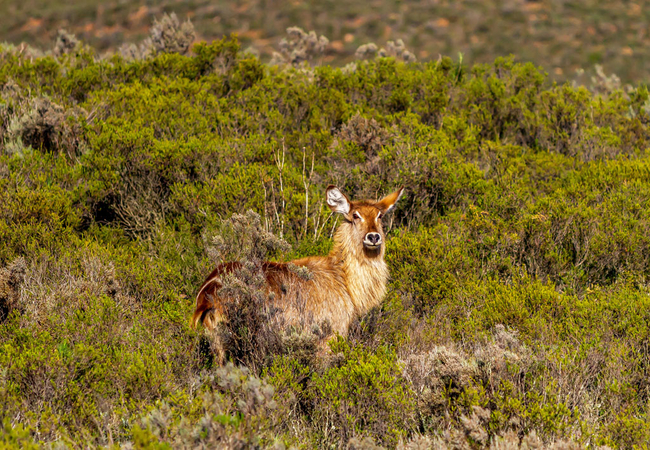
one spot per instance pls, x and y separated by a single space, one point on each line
11 277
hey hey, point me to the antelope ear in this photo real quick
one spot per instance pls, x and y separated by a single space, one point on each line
387 203
337 201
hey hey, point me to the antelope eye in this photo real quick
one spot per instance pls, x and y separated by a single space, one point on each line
356 215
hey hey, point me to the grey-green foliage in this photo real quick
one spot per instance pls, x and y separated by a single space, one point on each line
519 254
167 35
300 46
396 49
65 43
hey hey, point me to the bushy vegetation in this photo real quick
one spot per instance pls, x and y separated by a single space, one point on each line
563 37
518 311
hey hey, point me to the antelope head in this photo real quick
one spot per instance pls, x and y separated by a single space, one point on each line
363 219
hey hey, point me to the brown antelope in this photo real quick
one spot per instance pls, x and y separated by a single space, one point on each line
344 284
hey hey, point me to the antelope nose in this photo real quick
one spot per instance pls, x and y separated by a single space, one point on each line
374 238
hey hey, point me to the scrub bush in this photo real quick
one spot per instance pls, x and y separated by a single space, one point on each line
517 313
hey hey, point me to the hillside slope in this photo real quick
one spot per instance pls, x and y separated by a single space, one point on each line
560 36
518 308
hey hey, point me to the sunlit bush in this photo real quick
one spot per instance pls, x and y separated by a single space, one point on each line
517 311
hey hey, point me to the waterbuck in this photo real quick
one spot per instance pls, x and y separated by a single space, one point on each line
342 285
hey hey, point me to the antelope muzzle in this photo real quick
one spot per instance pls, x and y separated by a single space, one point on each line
372 240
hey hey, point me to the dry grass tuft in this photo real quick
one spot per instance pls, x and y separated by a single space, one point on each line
363 443
398 50
494 356
63 284
395 49
45 125
299 47
435 374
368 134
65 43
168 35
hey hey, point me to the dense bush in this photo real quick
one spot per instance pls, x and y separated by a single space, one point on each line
517 312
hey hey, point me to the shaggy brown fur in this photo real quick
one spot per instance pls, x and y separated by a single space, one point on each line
344 284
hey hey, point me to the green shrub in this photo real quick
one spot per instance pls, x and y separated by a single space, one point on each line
517 310
16 437
363 393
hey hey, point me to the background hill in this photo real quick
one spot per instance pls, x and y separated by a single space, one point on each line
517 315
560 36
